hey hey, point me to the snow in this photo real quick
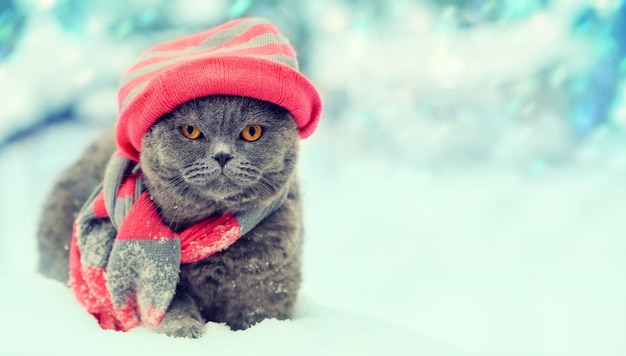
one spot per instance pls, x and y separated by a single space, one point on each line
436 223
398 260
34 308
65 330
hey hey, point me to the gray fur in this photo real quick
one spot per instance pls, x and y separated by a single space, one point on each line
258 276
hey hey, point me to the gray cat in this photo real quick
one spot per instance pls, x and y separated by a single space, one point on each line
259 275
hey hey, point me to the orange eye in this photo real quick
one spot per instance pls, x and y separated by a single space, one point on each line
191 132
251 133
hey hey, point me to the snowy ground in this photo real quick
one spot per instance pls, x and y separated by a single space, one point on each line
437 221
399 261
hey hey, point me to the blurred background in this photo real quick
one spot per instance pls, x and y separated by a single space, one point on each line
446 84
468 177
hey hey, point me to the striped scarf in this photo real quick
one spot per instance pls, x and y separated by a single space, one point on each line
124 261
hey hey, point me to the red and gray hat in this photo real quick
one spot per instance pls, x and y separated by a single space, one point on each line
245 57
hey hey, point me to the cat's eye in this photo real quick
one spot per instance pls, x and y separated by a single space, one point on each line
191 132
251 133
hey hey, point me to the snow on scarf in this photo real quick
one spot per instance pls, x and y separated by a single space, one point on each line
124 261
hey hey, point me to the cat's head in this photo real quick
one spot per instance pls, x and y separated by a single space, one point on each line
226 151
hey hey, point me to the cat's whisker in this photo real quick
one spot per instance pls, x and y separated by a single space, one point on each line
186 193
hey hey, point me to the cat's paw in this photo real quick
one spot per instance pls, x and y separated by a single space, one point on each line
181 326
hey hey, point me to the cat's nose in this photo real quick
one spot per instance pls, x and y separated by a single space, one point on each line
222 158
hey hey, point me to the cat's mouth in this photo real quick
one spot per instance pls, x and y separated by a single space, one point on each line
218 185
219 179
220 182
237 173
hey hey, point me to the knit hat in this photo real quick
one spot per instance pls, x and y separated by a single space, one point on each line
245 57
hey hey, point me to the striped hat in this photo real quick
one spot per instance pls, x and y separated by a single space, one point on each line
245 57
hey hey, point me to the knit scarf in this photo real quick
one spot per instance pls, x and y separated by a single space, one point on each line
124 261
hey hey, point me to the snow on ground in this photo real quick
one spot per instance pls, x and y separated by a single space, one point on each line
398 261
452 232
40 316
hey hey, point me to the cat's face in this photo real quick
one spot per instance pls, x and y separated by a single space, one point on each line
225 149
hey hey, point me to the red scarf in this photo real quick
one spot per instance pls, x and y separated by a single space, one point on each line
124 261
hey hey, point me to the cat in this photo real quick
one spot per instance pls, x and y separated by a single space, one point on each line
189 180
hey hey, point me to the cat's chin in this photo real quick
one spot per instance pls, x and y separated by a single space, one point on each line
219 194
219 188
